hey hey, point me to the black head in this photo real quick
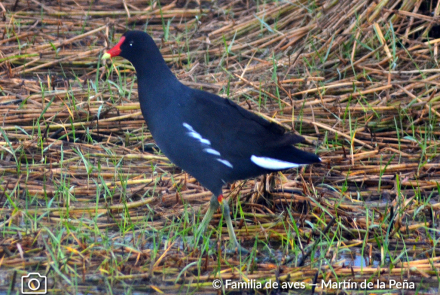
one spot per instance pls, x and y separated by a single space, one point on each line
135 46
139 48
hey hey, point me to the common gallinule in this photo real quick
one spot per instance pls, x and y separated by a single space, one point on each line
212 138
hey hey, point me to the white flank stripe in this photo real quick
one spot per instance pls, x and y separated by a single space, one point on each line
191 132
195 134
273 164
212 152
227 163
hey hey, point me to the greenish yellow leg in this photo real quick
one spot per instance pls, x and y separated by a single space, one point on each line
213 206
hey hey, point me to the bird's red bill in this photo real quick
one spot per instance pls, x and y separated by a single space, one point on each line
116 50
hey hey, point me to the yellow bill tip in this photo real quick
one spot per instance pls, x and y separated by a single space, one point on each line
106 56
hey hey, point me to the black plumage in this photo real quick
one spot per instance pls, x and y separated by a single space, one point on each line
210 137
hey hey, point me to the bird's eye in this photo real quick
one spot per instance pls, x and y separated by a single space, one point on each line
131 43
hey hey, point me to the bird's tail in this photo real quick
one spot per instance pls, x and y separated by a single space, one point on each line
284 157
294 155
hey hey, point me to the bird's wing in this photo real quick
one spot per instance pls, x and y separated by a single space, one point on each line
230 124
245 144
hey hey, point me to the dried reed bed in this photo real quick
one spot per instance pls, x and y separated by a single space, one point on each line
357 78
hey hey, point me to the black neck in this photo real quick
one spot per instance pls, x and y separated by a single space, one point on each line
152 69
157 85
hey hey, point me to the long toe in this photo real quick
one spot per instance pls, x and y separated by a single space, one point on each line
232 237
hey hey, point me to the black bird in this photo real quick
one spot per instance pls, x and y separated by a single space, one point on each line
212 138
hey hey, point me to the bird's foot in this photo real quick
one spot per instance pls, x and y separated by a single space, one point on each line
227 216
239 250
215 203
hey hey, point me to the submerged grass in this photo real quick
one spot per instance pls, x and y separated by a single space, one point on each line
88 200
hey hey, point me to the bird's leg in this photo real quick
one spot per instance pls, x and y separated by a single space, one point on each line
214 204
227 216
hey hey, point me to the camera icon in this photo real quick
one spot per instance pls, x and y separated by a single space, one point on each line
34 283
